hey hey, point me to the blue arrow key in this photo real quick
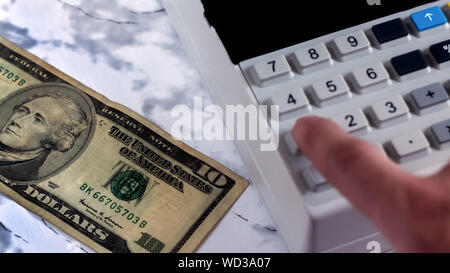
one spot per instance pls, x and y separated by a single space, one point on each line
428 18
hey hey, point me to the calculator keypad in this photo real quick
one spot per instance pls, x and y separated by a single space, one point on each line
362 81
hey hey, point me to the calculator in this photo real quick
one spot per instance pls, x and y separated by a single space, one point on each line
379 69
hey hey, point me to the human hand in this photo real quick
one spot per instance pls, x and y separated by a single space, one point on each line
412 212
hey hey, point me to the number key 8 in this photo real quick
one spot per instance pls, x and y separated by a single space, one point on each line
311 58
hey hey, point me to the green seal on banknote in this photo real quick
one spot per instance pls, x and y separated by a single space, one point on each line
128 185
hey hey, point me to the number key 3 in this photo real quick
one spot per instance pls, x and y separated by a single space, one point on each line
389 111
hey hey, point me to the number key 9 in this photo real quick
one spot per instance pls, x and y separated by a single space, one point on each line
351 45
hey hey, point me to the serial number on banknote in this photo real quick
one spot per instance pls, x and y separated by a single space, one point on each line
8 74
113 206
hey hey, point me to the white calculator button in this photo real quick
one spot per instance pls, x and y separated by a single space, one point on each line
389 112
352 121
312 58
352 44
330 91
409 146
381 149
291 144
370 78
266 71
290 100
314 179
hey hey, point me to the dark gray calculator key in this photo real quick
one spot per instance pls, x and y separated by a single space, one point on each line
389 31
409 62
429 95
441 51
441 132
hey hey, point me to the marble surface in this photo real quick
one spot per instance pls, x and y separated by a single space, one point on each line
128 51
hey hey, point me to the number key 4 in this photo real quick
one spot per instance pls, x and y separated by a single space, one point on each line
330 91
290 100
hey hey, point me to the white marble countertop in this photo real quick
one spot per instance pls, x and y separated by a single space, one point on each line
127 51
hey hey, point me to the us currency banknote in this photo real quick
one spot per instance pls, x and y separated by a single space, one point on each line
100 172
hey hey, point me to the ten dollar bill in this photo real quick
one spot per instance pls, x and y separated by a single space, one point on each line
97 170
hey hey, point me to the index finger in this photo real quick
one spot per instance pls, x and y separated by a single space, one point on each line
356 168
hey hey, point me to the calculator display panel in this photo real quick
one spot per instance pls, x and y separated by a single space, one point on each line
250 28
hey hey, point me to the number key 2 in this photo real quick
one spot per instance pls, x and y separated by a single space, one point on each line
352 121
